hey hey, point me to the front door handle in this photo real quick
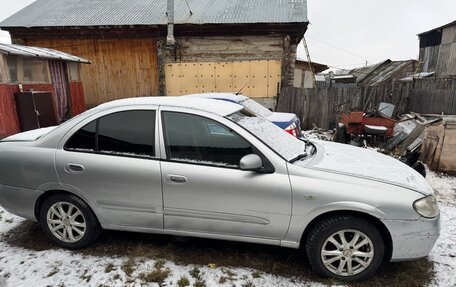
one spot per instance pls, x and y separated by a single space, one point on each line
176 178
74 168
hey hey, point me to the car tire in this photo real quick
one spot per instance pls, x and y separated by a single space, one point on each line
340 136
360 254
69 222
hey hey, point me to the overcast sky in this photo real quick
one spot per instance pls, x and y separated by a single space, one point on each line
347 33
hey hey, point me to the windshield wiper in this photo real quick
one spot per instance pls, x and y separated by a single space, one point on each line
299 157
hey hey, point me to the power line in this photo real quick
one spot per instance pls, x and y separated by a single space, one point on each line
189 9
339 48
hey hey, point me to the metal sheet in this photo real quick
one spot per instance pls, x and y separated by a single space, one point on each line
60 13
26 51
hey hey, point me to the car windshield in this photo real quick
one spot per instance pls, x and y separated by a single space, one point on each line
256 108
288 146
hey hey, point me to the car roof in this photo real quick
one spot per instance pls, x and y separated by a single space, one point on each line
203 104
221 96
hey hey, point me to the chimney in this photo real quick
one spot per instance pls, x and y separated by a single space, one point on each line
170 40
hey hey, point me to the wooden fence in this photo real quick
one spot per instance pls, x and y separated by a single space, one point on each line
321 106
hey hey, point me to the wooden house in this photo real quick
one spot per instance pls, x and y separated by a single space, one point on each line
32 78
438 51
304 74
217 45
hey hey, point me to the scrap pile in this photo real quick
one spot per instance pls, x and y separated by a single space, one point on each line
412 138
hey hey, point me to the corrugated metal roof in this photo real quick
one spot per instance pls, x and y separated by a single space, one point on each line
65 13
364 72
438 28
26 51
382 72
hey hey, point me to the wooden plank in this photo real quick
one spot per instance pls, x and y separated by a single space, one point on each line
224 77
120 68
206 77
259 79
241 77
77 101
274 77
172 79
189 79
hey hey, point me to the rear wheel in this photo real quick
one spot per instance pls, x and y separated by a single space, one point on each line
68 221
340 136
345 247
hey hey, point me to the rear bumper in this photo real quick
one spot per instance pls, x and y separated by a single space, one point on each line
18 201
413 239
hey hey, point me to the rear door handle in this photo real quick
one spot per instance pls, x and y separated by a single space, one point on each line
74 168
176 178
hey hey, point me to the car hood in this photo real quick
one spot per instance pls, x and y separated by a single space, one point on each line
360 162
283 120
32 135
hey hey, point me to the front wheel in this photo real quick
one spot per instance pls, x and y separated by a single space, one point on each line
68 221
346 248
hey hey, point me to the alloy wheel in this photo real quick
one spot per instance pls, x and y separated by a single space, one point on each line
66 222
347 252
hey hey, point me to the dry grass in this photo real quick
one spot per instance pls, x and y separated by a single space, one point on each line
157 275
183 282
129 266
109 268
265 259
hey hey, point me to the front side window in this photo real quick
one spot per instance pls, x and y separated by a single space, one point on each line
129 133
195 139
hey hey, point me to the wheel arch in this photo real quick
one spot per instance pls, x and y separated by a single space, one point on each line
46 194
387 239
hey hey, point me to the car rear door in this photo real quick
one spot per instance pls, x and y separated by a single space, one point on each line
204 189
112 161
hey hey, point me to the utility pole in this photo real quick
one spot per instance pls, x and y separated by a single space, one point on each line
309 61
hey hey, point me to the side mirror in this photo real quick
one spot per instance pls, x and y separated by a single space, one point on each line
251 162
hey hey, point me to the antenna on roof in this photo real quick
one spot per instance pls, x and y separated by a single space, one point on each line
189 9
240 91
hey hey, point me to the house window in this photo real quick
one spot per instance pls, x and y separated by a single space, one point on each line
11 61
27 70
3 74
73 69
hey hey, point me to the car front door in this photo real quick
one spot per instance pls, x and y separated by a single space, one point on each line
204 189
111 161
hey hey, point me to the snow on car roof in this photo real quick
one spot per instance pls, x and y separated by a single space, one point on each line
228 96
203 104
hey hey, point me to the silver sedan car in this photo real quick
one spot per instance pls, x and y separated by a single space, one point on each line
207 168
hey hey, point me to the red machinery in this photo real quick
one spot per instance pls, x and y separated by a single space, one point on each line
360 123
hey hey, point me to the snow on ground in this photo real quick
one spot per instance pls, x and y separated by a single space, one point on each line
444 252
57 267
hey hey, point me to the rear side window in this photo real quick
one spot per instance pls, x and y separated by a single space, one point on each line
84 139
130 133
